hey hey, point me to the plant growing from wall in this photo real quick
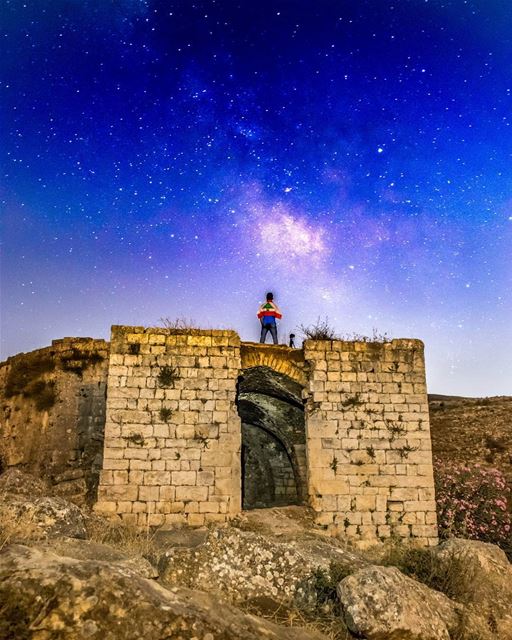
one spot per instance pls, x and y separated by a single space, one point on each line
406 450
165 414
334 464
202 439
395 429
167 376
179 324
320 330
136 439
352 401
371 452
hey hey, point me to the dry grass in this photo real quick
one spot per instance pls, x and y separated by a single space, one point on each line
115 533
17 526
287 615
452 576
320 330
179 324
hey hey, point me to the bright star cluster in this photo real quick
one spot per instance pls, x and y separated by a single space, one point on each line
163 158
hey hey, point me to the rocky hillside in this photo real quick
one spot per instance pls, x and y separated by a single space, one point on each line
473 430
68 574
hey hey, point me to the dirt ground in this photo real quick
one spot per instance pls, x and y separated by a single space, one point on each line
473 430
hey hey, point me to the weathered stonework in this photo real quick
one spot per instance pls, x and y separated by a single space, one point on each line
370 471
53 414
172 433
343 427
367 440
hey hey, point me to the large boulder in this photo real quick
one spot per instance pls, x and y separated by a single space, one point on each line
243 565
88 550
381 603
16 482
45 596
41 517
480 576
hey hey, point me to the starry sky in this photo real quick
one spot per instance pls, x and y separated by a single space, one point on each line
173 159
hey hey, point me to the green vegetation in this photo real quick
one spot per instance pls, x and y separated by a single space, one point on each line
406 450
320 330
396 430
179 325
422 565
165 414
352 401
325 583
167 376
136 438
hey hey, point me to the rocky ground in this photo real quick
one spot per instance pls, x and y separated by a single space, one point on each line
69 574
476 430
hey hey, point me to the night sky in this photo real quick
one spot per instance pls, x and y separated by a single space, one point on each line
179 159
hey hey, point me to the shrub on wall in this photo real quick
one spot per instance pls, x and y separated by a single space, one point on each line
473 502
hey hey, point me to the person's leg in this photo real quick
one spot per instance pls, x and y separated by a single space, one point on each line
263 333
273 331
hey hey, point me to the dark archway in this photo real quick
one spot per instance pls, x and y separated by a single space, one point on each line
273 438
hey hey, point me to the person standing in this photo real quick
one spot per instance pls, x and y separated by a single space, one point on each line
268 313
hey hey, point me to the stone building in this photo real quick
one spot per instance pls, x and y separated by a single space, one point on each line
198 425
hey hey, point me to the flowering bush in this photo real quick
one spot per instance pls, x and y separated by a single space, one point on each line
473 502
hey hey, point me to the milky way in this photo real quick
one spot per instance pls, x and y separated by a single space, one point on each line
179 159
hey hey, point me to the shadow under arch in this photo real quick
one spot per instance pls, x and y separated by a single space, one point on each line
273 438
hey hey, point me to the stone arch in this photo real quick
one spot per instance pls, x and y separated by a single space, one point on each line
280 358
273 427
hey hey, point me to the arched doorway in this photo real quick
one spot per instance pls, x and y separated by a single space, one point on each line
273 438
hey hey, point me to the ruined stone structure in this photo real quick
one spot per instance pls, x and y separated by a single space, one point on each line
173 436
53 414
189 427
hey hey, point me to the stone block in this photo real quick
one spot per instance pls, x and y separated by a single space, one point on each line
114 464
195 519
205 478
175 518
398 493
148 493
365 503
118 492
157 478
186 493
179 478
192 507
139 464
209 507
105 506
120 477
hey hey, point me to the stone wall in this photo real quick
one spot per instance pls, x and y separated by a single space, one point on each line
172 433
53 414
370 470
360 454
